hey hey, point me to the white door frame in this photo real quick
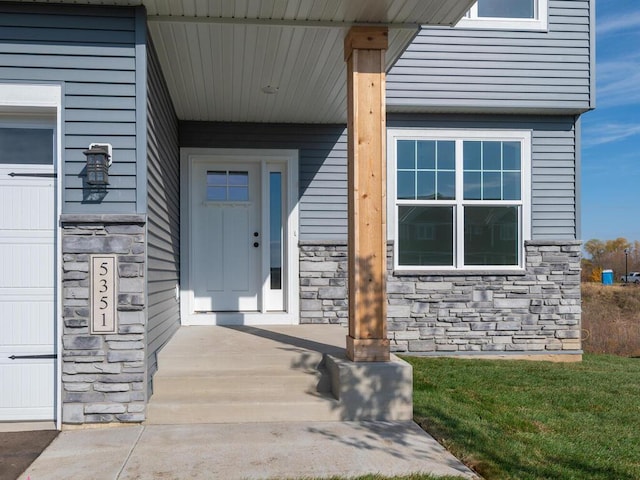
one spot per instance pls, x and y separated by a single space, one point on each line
289 158
43 98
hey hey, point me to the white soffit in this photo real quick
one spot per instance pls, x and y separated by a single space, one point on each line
388 12
218 72
218 55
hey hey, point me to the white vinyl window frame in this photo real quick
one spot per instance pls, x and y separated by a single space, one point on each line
274 299
459 137
540 22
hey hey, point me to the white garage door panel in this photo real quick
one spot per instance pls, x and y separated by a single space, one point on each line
27 293
21 324
27 206
30 265
29 386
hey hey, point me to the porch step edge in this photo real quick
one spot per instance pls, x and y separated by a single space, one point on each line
203 385
319 410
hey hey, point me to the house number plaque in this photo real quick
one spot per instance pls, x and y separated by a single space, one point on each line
103 294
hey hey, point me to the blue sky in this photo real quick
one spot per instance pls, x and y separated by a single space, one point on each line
611 133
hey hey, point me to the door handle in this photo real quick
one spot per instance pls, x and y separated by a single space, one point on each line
33 357
33 174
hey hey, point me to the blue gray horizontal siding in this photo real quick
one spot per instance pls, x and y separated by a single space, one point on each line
322 169
323 164
91 50
456 69
163 215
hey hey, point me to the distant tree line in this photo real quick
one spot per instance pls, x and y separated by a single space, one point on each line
609 254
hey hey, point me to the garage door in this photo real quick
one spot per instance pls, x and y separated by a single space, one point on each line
27 279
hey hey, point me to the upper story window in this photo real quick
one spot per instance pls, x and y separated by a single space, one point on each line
506 9
459 199
507 15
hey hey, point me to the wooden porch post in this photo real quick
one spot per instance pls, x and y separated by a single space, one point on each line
364 49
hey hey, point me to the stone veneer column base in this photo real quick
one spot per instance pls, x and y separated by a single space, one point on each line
103 376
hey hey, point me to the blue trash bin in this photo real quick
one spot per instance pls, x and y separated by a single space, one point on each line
607 277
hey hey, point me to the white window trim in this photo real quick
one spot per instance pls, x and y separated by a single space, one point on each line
540 23
524 136
274 300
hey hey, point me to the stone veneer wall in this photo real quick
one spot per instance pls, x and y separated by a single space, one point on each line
103 376
535 311
323 282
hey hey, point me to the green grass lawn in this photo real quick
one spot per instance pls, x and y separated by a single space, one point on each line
534 420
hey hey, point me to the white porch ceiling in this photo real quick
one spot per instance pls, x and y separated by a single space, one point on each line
218 55
217 71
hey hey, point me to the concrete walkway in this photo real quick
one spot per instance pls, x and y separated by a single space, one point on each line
244 451
245 403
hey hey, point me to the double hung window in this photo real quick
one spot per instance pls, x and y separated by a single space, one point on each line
460 198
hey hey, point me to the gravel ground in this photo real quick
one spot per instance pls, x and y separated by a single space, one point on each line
19 449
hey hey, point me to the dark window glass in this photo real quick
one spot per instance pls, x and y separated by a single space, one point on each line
446 186
426 185
227 186
511 155
426 155
472 153
472 186
506 8
275 229
426 170
238 178
511 186
406 188
217 178
446 155
238 194
491 186
491 155
218 194
406 154
491 170
26 146
425 235
491 235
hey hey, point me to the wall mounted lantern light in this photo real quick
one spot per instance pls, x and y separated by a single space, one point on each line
98 161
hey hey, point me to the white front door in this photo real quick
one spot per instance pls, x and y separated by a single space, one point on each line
226 236
27 232
240 252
